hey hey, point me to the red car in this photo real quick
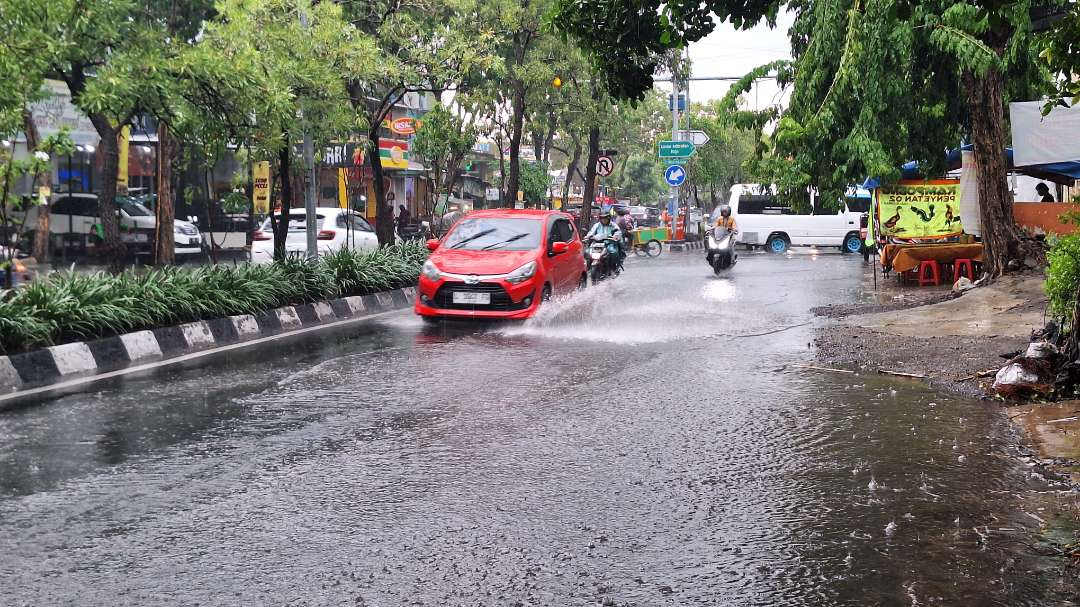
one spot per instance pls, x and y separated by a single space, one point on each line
501 263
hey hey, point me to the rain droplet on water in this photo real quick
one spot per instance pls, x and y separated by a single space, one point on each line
890 529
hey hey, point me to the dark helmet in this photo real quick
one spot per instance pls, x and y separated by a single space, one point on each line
622 211
725 211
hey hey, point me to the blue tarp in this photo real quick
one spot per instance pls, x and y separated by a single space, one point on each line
1058 172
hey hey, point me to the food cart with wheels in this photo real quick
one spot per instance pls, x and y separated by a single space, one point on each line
648 241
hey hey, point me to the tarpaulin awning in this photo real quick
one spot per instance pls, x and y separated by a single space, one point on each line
1058 172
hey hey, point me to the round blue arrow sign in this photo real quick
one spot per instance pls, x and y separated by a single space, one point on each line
675 175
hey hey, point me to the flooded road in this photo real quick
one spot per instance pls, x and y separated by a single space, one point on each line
650 441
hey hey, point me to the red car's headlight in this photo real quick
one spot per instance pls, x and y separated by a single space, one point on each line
522 274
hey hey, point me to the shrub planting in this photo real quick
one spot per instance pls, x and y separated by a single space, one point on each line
68 306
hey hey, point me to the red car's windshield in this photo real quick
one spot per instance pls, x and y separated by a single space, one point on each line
495 234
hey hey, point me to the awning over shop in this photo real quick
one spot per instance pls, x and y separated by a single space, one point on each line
1058 172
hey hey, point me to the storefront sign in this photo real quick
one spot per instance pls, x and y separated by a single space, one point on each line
56 111
124 141
260 193
403 126
343 155
920 209
394 153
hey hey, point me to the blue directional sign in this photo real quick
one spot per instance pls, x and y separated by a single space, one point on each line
675 175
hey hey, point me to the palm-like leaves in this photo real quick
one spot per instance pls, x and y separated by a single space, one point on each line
68 306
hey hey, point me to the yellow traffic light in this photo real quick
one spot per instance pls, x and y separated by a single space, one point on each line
557 82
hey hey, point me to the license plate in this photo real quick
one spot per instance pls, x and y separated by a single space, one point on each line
472 298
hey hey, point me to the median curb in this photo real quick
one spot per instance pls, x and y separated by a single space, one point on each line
686 245
39 368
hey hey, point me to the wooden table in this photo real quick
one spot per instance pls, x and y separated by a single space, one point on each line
906 257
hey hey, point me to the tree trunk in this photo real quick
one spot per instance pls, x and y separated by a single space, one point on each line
570 170
1001 239
164 210
113 248
590 177
281 224
517 123
552 127
384 215
41 230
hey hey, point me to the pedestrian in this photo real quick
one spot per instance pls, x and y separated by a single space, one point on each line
1044 192
402 221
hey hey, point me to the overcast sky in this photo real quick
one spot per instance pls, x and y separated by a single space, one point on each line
730 52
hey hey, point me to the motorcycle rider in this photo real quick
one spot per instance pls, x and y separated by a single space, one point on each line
726 222
626 225
603 229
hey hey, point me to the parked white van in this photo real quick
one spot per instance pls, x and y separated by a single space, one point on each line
765 221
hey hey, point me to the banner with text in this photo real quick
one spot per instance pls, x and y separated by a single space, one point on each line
260 193
920 209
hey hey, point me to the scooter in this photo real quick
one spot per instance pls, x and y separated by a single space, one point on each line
599 261
720 247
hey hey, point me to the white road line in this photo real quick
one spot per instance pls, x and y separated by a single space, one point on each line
186 357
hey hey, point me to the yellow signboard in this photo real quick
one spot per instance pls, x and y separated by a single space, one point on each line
260 192
122 163
920 209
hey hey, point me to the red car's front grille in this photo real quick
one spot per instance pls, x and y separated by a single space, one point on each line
500 299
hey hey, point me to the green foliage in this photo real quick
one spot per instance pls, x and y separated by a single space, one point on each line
1063 275
1059 50
641 179
535 181
68 306
441 143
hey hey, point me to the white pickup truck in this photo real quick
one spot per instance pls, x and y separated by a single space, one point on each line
764 221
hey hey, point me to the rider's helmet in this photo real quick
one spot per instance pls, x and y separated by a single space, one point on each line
604 216
621 212
725 211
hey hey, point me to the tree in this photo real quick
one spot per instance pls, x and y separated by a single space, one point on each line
640 178
258 77
424 48
442 142
717 166
535 182
937 71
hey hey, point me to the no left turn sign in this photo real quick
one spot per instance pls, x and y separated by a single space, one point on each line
605 166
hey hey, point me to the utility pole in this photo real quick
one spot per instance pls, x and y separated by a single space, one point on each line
673 204
309 170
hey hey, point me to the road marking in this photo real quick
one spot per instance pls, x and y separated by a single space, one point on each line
186 357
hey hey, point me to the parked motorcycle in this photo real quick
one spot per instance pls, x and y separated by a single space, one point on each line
720 249
599 260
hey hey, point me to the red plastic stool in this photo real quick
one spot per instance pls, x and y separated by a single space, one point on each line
963 267
935 273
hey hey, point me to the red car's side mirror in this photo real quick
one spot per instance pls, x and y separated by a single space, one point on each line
558 248
433 244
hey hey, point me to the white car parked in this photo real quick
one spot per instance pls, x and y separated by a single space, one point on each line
764 221
77 213
337 229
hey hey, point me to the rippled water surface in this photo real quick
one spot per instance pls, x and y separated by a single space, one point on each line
651 441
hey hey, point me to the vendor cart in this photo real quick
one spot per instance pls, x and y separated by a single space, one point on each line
648 241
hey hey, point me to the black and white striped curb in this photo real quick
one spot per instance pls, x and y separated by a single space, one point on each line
687 245
56 363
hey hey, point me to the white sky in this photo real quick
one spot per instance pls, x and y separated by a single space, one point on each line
731 52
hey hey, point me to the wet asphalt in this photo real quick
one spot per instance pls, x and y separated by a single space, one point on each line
650 441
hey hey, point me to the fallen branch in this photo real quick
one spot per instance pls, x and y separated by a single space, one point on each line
1063 420
813 368
901 374
986 373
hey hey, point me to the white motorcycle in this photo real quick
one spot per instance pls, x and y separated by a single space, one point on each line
720 247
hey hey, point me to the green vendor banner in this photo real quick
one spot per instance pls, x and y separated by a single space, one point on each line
920 209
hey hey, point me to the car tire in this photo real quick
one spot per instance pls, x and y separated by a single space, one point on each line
778 244
545 295
852 244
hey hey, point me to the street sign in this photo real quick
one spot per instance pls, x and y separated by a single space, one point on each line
699 138
604 166
676 160
676 149
675 175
